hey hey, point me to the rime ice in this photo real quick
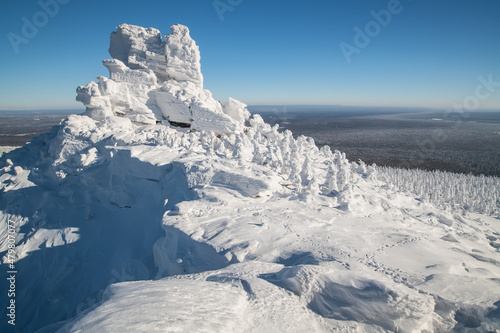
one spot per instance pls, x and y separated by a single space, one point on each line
153 80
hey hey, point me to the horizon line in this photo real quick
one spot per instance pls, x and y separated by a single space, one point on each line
430 108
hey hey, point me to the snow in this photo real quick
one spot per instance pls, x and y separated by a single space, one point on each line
151 81
6 149
255 298
183 56
127 221
166 306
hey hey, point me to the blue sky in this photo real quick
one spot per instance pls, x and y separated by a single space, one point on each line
429 54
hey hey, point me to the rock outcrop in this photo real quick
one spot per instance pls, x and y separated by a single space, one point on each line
153 80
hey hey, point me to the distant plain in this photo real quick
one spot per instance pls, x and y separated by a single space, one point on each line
408 138
19 127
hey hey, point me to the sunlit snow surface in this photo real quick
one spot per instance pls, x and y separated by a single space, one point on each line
129 226
289 252
6 149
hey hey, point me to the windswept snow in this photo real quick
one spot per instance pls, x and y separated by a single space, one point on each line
6 149
260 297
159 209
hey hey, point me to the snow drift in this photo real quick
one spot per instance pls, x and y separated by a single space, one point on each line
221 223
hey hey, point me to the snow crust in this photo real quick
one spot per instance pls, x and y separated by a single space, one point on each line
227 224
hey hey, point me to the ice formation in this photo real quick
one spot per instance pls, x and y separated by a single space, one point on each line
161 209
153 80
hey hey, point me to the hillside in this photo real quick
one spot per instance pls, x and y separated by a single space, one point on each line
160 209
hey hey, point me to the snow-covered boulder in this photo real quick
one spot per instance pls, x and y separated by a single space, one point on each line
151 80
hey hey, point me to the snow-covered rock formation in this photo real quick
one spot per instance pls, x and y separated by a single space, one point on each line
151 81
159 209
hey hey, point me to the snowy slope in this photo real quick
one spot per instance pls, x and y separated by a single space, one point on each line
6 149
221 223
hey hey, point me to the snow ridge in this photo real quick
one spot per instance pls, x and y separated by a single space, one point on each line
240 226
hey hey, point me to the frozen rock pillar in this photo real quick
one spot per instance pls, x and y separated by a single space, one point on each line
183 56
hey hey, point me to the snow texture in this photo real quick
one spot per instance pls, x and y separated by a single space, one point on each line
127 221
6 149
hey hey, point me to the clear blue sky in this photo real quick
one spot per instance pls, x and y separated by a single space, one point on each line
430 54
